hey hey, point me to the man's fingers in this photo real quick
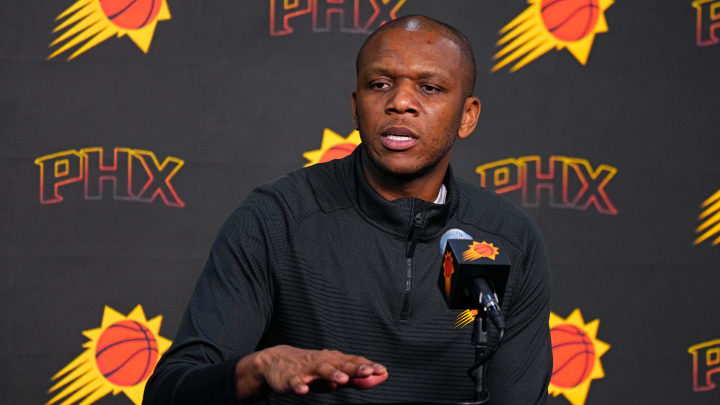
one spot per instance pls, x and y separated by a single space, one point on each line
324 378
297 385
367 382
298 371
379 369
328 372
362 368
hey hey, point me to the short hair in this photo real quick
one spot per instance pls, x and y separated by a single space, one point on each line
422 23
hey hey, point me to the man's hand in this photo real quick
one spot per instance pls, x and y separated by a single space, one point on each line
289 370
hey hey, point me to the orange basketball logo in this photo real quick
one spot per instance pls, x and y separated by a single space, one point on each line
479 250
551 24
90 22
126 353
573 355
484 249
131 14
119 356
569 20
576 356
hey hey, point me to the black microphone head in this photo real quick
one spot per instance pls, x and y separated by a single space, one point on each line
464 260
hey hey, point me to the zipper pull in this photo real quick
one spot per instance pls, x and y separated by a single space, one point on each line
415 233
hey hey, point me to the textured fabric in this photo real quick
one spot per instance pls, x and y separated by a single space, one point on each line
317 259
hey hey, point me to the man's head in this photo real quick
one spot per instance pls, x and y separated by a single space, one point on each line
423 23
415 78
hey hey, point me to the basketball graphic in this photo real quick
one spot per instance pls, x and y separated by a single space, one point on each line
333 146
86 23
483 249
573 355
479 250
551 25
576 356
569 20
119 356
126 353
338 151
130 14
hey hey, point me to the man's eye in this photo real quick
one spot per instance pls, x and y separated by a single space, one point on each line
379 85
430 89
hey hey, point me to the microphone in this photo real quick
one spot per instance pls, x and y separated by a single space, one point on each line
474 274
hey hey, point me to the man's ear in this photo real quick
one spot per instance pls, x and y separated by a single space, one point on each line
354 110
471 111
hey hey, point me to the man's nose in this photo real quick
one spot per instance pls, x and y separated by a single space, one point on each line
403 99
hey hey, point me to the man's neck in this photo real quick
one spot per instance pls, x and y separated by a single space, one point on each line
424 187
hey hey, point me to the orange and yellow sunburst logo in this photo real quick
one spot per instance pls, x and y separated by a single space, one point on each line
333 146
549 24
710 227
465 318
95 21
119 357
576 356
480 249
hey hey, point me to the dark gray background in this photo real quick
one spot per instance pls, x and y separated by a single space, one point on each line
240 107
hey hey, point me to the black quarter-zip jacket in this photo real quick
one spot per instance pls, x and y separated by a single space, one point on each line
318 260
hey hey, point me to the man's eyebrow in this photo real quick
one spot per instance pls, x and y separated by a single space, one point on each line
379 70
432 75
425 74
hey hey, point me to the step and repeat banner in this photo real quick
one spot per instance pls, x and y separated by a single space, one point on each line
130 129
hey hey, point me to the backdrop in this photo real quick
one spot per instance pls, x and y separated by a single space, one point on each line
132 128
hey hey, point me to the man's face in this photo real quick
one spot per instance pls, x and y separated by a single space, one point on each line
409 100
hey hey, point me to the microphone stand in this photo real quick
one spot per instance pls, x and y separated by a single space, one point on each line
478 372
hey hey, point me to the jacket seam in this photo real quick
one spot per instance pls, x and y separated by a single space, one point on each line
513 242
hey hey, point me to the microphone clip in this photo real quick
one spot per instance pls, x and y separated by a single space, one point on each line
488 302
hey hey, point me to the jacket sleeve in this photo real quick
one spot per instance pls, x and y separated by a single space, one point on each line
519 372
229 309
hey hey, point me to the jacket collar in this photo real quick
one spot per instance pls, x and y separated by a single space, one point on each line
396 217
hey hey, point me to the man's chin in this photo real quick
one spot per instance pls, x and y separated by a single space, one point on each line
401 168
400 165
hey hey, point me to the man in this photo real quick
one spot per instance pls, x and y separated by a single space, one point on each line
345 256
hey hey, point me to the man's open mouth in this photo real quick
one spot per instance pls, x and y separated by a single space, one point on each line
398 138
